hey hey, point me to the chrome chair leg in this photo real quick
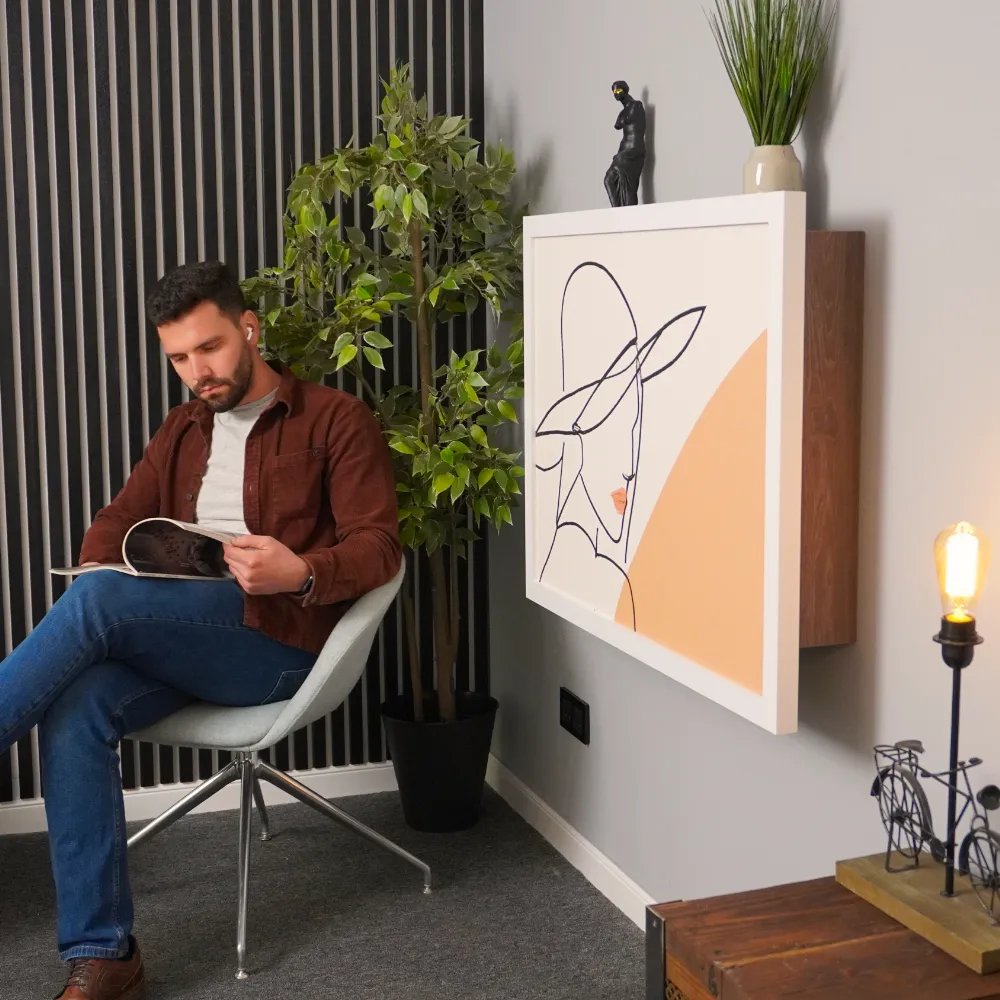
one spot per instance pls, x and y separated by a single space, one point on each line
195 797
310 798
258 797
246 819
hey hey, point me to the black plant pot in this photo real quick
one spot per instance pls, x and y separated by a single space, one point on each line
440 766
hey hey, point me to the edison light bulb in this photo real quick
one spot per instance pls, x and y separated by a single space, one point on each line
961 553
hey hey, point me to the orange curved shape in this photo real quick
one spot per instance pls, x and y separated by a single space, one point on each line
697 577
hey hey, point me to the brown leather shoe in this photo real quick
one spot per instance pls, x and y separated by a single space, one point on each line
106 978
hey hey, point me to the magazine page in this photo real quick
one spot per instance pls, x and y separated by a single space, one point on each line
78 570
160 546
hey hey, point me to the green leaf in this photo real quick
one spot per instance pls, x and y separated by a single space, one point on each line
481 222
366 279
414 171
507 410
447 456
420 204
394 141
342 341
503 513
403 447
374 358
443 481
501 477
433 294
482 507
346 356
485 475
479 436
457 489
355 235
375 339
407 207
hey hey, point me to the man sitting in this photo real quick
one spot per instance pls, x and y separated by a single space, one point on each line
302 474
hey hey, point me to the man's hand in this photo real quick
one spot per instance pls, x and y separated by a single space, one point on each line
262 565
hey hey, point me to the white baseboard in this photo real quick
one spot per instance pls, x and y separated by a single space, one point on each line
148 803
596 867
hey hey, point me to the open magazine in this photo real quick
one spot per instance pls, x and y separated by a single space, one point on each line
163 547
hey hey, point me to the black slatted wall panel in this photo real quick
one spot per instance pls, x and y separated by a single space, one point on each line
136 135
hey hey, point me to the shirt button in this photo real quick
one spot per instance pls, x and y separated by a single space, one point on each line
188 496
250 488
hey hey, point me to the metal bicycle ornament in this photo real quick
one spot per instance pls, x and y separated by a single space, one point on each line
906 815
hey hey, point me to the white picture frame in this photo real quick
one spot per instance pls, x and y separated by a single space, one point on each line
744 258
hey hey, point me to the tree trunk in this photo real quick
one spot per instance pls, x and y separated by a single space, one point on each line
444 653
423 330
416 678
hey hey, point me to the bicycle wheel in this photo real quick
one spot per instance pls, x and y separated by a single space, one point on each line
978 858
906 814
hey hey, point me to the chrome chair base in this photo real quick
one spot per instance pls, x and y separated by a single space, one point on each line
249 770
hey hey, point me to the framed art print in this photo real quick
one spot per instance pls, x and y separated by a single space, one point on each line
663 438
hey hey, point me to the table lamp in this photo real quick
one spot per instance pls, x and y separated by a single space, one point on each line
962 555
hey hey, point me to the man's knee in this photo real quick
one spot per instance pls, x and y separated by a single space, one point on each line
98 598
103 585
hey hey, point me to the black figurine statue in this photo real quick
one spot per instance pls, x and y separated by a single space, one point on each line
622 179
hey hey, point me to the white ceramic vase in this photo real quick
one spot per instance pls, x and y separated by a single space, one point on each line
772 168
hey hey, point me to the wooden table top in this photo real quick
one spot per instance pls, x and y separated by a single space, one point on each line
811 940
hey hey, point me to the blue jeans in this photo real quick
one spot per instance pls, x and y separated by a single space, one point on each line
113 655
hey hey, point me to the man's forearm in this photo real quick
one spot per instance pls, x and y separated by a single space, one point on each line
361 562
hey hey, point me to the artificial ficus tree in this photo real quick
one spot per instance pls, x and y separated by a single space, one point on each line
443 239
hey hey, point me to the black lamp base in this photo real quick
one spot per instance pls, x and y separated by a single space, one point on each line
958 640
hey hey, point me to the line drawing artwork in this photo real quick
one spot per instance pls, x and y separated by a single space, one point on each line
596 426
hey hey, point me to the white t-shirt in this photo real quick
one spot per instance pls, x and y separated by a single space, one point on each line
220 501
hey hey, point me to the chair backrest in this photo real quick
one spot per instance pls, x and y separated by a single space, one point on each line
340 663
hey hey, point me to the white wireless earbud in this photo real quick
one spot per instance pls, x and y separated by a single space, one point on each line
249 332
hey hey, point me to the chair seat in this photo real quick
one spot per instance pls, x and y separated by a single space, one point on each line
338 668
214 727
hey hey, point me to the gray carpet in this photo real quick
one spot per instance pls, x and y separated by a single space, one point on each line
334 917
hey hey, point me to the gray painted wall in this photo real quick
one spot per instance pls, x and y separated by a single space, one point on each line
686 798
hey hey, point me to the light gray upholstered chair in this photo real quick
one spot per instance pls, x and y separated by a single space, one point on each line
244 731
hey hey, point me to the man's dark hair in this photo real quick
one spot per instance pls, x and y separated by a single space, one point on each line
186 287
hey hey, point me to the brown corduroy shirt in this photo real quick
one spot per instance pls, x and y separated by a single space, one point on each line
318 477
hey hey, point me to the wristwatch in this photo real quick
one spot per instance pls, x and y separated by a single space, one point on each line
305 588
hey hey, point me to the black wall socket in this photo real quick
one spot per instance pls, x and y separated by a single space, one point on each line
574 715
